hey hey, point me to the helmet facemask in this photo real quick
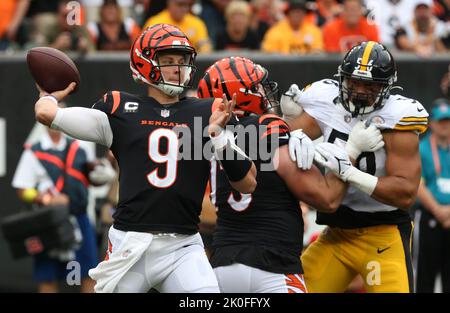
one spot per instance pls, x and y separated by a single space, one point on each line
155 77
268 94
362 103
170 85
271 97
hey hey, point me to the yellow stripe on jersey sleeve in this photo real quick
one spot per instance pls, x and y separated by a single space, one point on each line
415 119
421 128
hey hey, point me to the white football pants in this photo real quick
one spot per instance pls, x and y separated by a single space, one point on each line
169 264
240 278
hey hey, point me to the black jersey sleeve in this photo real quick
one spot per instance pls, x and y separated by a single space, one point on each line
108 103
273 129
273 132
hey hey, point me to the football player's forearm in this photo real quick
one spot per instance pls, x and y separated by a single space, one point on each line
335 191
45 110
307 124
240 170
403 170
309 186
84 124
325 194
330 191
248 183
395 191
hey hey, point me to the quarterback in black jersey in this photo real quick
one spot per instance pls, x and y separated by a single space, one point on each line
259 236
161 148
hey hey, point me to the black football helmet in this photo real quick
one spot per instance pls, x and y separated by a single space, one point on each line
371 63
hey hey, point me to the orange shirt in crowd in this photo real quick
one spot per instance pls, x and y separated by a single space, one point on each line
7 10
337 37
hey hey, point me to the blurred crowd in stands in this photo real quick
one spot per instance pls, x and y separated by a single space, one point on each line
271 26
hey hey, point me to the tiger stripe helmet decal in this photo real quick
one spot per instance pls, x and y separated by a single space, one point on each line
240 76
144 57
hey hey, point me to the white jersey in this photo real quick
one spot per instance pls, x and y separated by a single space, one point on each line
320 101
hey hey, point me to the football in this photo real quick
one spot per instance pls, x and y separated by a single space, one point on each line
52 69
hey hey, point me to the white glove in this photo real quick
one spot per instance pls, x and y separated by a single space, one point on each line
363 139
334 159
301 149
289 102
102 173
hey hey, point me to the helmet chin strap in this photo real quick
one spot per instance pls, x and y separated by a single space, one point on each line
365 109
362 110
397 87
187 75
169 89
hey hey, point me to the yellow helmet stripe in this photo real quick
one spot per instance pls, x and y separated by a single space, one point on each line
366 55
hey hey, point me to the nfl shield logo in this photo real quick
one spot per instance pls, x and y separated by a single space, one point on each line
165 113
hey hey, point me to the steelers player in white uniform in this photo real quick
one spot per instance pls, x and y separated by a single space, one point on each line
370 233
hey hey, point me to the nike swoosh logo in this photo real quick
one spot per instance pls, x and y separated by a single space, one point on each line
420 110
382 250
284 137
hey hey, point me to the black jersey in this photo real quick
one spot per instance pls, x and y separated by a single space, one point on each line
158 191
263 229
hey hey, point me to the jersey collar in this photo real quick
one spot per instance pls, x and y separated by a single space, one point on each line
47 143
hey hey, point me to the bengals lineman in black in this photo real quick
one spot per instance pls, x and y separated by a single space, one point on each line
260 235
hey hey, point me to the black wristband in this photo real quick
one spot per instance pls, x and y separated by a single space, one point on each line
234 162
